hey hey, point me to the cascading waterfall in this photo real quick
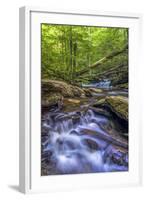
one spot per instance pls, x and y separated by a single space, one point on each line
72 148
104 84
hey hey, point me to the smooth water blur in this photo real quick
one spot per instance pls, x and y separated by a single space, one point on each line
105 84
72 150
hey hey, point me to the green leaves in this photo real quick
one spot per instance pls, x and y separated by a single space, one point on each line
67 49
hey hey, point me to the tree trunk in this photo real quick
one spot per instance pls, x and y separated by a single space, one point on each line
74 56
102 60
111 70
71 52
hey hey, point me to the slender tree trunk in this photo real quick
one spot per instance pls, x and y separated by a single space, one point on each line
66 52
89 50
71 52
74 56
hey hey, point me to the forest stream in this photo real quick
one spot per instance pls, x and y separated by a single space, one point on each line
84 99
84 137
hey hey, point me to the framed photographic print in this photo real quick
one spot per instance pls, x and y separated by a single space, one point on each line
79 101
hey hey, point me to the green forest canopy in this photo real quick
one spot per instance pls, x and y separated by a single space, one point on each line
68 49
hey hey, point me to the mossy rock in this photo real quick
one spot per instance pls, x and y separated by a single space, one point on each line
100 102
118 105
123 86
77 92
88 93
51 99
95 90
62 88
53 86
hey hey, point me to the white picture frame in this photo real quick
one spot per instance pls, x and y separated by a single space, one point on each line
30 178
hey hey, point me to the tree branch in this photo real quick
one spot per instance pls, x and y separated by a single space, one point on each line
102 60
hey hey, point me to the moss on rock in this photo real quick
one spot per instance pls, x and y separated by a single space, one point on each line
123 86
100 102
51 99
53 86
119 105
53 91
116 104
95 90
89 92
77 92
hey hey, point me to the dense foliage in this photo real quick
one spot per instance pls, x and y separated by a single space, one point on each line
67 50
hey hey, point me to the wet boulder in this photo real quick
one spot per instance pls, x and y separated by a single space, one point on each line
44 131
100 111
120 158
53 86
45 156
50 100
91 144
122 86
44 141
89 92
61 87
73 118
95 90
115 155
117 158
116 104
54 92
77 92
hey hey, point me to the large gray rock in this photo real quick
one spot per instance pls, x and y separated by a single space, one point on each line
117 104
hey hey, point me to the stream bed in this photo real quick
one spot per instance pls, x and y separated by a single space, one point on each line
82 141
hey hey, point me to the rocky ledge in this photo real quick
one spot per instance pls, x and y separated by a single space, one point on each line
116 104
53 92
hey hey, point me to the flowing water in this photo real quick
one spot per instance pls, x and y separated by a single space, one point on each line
105 84
71 144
